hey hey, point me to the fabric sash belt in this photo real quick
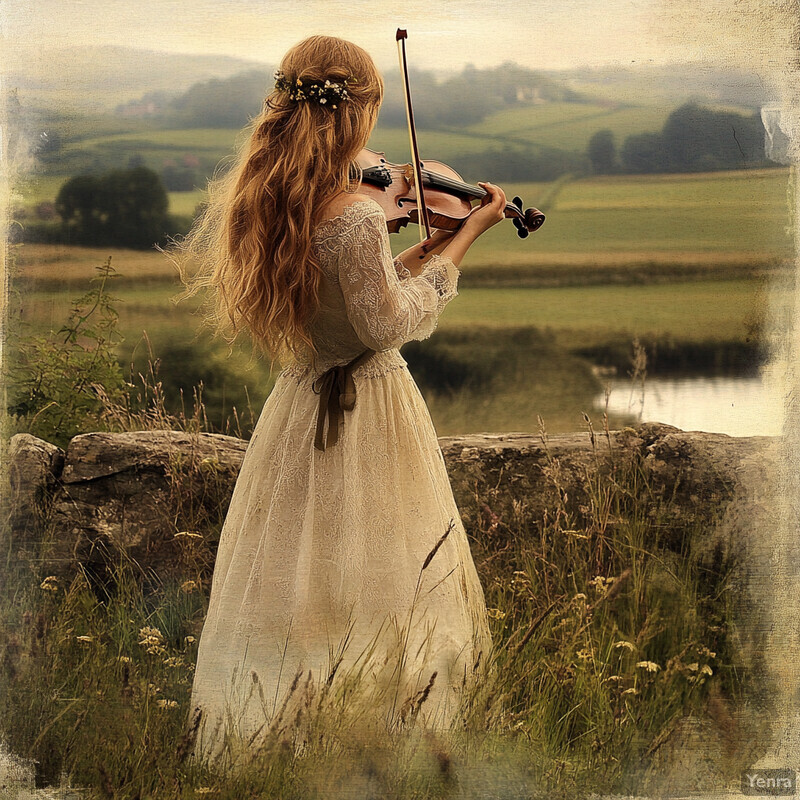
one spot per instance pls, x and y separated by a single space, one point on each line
337 394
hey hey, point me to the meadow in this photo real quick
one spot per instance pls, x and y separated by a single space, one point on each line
671 260
613 624
614 634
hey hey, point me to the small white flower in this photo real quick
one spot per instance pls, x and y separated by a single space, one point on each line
322 100
650 666
629 645
85 638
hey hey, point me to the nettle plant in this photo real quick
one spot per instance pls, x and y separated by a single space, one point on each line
59 382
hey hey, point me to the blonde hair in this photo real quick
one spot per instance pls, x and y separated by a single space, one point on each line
252 241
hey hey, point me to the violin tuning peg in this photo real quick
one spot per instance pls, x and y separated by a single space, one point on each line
517 201
522 232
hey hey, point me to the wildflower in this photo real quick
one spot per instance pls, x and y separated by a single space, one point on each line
614 678
631 691
163 703
85 638
189 586
584 654
173 661
152 640
495 613
124 659
189 639
150 636
650 666
704 651
705 669
49 584
623 643
520 582
693 667
601 583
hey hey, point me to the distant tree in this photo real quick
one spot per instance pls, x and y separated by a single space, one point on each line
127 208
644 152
221 103
135 203
602 152
78 205
699 138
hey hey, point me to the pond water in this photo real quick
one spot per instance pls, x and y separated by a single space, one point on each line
738 406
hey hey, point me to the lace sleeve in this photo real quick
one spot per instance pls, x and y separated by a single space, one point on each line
401 269
384 311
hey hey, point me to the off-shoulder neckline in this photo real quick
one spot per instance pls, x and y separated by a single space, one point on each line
347 210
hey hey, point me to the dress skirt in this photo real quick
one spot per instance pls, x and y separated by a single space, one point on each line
319 572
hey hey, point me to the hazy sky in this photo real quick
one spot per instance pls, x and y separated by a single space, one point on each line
446 34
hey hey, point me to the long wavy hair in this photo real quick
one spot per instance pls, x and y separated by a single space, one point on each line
251 245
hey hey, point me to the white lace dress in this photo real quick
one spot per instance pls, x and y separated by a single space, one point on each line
321 555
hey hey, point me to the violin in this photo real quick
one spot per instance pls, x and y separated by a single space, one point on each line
429 193
447 197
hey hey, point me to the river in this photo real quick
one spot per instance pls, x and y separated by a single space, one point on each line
738 406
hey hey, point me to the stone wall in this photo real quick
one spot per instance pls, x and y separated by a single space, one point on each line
146 494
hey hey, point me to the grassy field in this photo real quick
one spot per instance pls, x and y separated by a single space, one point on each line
684 261
568 126
49 276
724 216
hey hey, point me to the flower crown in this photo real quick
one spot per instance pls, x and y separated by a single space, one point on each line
327 92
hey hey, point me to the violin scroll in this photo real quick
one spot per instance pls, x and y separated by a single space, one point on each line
528 221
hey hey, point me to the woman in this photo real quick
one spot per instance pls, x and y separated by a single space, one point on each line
343 552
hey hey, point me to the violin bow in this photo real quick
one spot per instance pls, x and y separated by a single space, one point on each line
424 217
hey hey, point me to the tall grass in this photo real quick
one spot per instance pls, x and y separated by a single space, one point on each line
609 628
